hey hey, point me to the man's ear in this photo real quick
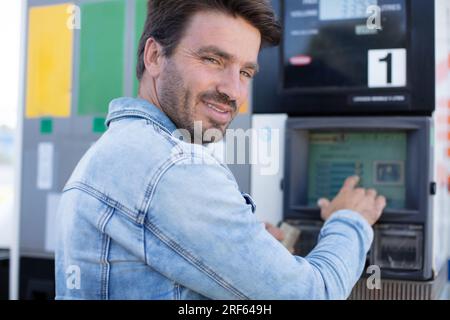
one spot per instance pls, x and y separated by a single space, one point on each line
153 57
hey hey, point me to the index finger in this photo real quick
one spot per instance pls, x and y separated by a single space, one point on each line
350 183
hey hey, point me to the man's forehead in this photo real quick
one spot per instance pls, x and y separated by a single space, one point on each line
232 35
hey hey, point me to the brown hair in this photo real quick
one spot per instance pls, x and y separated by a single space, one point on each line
167 20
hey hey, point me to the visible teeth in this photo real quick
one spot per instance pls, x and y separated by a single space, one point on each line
218 110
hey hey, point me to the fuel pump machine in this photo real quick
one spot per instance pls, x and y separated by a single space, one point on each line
365 86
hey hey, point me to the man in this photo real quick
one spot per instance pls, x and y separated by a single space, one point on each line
146 215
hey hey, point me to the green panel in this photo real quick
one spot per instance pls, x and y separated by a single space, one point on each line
98 125
141 15
46 126
378 158
101 56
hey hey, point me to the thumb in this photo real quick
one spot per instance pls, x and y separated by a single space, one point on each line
277 233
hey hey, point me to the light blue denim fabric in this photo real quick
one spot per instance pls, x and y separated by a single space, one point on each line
147 216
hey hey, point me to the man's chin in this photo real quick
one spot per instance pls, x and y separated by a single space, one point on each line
208 131
214 134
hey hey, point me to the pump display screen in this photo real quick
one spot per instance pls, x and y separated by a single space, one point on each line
378 158
344 9
345 43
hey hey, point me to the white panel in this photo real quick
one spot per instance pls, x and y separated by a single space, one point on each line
50 223
45 161
441 165
268 165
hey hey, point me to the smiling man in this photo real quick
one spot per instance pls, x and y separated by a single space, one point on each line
146 215
208 74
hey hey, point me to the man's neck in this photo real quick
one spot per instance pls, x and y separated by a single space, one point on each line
147 91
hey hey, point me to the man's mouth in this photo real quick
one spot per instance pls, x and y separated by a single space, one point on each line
218 112
215 108
219 107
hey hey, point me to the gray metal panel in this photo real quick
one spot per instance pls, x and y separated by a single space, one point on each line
242 171
69 148
402 290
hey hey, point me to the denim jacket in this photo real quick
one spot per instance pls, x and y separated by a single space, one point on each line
148 216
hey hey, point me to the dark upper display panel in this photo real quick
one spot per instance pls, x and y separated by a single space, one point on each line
329 44
334 61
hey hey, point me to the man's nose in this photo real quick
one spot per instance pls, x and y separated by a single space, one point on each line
230 84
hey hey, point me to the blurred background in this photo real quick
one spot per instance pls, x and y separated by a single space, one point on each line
10 33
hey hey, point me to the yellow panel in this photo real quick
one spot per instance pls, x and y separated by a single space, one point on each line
244 108
49 76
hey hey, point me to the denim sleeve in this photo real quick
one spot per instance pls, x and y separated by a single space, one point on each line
201 233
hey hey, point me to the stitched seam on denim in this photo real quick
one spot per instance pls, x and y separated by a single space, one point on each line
106 240
156 124
144 239
178 297
177 293
194 261
154 182
105 267
165 134
102 197
180 250
135 113
152 187
133 216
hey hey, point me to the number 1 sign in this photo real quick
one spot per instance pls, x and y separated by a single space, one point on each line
387 68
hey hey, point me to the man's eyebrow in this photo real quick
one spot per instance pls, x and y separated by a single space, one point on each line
226 56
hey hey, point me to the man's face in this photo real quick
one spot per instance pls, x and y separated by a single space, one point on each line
208 76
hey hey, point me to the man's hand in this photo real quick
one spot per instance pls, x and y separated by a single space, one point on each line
365 202
274 231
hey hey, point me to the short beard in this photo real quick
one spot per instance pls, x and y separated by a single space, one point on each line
174 98
179 104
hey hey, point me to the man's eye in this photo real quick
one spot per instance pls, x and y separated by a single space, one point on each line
211 60
246 74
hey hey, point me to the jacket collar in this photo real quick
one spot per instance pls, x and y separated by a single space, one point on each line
138 108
